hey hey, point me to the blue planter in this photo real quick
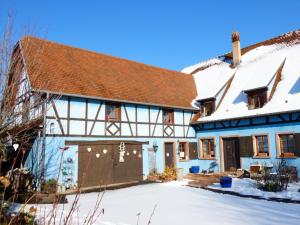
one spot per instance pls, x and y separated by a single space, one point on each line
226 182
194 169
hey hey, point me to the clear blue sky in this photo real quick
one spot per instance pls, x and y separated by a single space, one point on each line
166 33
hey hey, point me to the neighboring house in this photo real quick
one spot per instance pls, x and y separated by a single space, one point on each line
121 119
249 104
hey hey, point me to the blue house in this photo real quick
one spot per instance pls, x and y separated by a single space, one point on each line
107 120
249 104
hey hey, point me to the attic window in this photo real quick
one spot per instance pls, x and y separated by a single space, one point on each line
257 98
112 112
168 116
207 107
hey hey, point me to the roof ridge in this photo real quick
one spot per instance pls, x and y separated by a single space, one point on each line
257 44
102 54
269 41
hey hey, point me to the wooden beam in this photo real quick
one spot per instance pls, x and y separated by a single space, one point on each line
278 78
228 84
282 118
183 123
136 127
93 125
57 117
128 119
149 121
68 116
156 122
86 116
187 132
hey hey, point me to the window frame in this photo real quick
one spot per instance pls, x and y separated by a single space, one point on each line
171 116
117 112
26 107
257 95
258 154
201 156
186 151
282 154
52 128
203 107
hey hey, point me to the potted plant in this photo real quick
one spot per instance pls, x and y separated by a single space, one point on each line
263 154
288 155
153 176
226 182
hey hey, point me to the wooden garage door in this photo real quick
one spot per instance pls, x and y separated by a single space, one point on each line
108 168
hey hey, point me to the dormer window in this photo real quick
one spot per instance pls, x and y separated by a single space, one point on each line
168 116
257 98
207 107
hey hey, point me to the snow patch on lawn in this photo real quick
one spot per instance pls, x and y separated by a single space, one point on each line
178 204
247 186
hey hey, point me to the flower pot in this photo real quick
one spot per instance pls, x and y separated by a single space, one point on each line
263 154
226 182
152 178
194 169
288 155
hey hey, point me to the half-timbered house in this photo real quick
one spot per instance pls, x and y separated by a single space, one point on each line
119 119
249 103
115 120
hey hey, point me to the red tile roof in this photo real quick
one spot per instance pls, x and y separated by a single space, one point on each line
65 70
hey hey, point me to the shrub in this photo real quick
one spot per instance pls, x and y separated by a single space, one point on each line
169 174
50 186
274 182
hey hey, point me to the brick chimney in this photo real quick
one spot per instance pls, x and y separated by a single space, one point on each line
236 48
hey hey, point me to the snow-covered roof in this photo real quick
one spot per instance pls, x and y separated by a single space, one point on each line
258 68
214 78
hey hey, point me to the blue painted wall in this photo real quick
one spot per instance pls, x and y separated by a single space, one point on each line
145 115
53 154
139 123
271 130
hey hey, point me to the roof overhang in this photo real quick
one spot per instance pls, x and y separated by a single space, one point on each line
201 101
250 91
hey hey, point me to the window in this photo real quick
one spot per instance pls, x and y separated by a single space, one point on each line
193 150
26 109
112 112
168 116
262 145
207 148
183 151
207 108
257 99
52 128
286 145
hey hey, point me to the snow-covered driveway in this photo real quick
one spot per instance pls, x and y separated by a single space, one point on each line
181 205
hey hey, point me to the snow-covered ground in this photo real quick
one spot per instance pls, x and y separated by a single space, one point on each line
181 205
247 186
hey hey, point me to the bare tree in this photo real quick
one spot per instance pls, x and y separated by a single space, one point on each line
22 111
